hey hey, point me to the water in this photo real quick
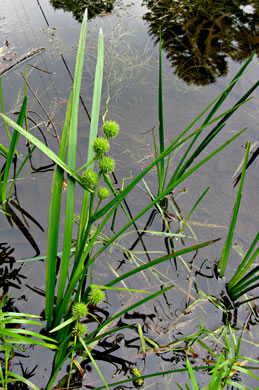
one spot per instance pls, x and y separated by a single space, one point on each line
131 79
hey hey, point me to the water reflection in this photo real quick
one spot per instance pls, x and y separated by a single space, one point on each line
199 36
77 7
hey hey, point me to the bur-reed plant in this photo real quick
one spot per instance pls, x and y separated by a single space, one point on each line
75 281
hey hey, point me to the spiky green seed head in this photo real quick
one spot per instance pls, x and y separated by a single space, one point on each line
136 373
103 193
106 165
79 310
96 296
101 146
80 330
89 178
111 129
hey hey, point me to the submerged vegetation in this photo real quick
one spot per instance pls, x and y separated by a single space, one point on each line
75 294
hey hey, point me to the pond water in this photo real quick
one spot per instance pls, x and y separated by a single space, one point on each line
204 45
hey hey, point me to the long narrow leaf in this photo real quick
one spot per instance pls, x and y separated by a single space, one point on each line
193 208
22 379
191 375
215 131
19 171
72 153
225 253
11 153
94 362
162 195
245 264
161 117
218 103
47 151
160 260
132 307
53 221
93 133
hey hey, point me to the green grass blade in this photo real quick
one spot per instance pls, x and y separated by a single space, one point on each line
11 153
191 375
160 117
237 385
19 171
78 270
93 133
172 147
246 371
216 377
22 379
247 279
94 362
27 332
151 204
160 260
96 97
142 340
218 103
48 152
72 157
245 264
3 150
132 307
19 339
215 131
154 375
225 253
193 208
53 221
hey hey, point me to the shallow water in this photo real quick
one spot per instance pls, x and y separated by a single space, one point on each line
131 79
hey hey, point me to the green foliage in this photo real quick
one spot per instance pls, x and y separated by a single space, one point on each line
14 338
11 153
225 253
74 283
242 281
240 284
225 364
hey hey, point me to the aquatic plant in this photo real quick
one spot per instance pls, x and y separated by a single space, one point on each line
75 287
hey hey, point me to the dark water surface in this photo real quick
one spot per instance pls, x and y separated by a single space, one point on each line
204 46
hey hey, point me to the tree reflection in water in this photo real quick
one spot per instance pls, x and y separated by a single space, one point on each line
77 7
199 35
